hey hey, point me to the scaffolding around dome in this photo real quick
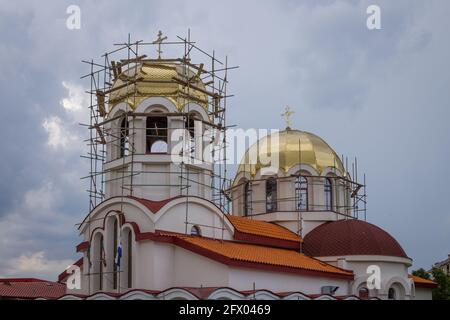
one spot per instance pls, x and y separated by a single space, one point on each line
138 97
306 163
133 72
353 208
128 75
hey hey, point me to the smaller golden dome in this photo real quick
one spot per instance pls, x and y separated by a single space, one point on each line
157 80
292 147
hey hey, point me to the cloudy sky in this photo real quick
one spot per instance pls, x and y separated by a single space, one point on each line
381 95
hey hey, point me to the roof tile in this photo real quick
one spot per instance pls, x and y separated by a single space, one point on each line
263 255
30 289
262 228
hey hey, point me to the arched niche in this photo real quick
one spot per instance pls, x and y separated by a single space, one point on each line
98 262
127 264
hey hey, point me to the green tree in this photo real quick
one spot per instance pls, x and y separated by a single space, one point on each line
421 273
442 291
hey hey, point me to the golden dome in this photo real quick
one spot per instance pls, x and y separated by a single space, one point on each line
154 79
293 147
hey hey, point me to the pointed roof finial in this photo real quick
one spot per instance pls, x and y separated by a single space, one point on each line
158 41
286 114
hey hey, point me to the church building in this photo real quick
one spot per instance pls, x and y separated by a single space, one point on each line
290 229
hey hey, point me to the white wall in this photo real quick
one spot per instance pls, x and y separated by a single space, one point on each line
393 272
423 294
243 279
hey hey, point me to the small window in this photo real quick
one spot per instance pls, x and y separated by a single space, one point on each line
156 134
247 199
327 188
195 231
190 125
301 188
124 140
271 195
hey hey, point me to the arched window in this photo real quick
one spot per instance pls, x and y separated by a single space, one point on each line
363 293
190 125
130 259
115 245
156 134
124 140
271 195
328 196
392 294
195 231
247 199
301 189
99 261
126 263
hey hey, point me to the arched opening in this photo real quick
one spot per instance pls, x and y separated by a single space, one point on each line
190 125
111 240
194 138
195 231
98 262
130 260
301 191
363 293
392 294
124 138
114 255
126 263
328 194
271 195
247 199
156 133
396 292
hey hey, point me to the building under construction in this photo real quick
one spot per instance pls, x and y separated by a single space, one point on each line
166 222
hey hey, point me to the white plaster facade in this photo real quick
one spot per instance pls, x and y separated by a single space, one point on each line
156 266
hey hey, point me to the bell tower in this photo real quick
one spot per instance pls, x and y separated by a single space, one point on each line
156 123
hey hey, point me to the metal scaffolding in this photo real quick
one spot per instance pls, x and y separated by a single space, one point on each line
118 70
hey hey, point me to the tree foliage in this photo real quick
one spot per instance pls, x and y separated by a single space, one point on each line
442 291
421 273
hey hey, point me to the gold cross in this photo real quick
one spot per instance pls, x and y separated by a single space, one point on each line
158 42
286 114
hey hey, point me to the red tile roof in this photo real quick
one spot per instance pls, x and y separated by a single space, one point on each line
263 232
82 246
264 255
350 237
423 283
30 288
250 255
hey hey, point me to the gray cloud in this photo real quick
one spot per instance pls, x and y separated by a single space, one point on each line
381 95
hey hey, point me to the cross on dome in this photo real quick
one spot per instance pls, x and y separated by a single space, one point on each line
158 41
286 115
